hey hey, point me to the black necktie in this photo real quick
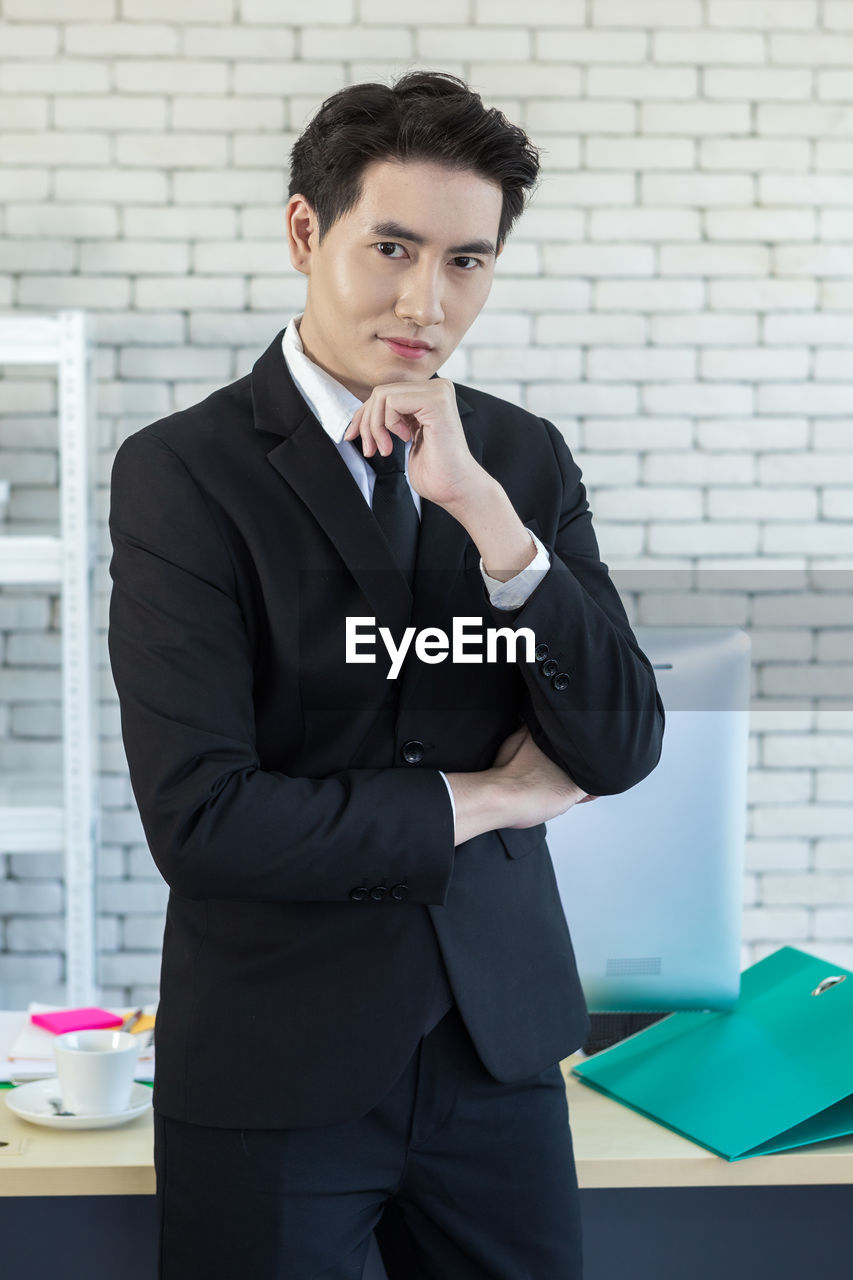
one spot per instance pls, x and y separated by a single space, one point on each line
394 507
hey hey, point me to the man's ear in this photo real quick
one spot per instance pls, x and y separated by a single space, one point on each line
301 225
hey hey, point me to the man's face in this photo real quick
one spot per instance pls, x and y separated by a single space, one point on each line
413 260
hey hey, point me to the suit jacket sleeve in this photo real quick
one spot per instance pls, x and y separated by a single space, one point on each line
604 725
218 825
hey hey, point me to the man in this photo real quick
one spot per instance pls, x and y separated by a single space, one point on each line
367 980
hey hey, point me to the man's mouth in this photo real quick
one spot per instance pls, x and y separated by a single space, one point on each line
409 348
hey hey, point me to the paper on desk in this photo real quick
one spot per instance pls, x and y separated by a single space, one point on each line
28 1050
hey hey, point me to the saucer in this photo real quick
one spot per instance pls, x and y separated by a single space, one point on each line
30 1102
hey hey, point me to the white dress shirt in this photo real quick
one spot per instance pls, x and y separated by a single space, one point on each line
333 406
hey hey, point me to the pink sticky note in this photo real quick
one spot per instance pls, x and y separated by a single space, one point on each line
76 1020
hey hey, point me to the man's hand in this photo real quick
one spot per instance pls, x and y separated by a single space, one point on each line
522 788
441 467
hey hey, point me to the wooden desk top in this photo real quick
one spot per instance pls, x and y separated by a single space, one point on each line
614 1147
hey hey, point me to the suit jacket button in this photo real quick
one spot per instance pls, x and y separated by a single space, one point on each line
378 892
399 892
549 668
412 752
540 653
561 680
359 894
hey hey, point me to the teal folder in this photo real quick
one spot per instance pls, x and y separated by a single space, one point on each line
774 1072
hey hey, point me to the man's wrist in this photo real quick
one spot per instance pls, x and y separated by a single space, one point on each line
480 800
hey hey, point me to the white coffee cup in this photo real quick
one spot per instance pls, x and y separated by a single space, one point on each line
96 1070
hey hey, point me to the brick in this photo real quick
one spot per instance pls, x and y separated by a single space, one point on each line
756 363
140 327
26 394
778 787
25 113
604 470
175 362
545 295
590 327
639 433
822 188
563 116
215 186
31 897
710 259
704 189
754 153
837 788
626 364
819 540
138 257
125 967
537 13
474 44
23 613
114 185
806 119
359 42
811 398
36 934
836 295
696 118
697 397
43 221
35 976
226 115
219 328
149 222
761 504
781 645
52 292
665 609
140 39
816 609
532 80
760 224
833 922
832 365
331 11
235 41
42 255
190 292
777 855
702 539
581 189
649 503
644 224
837 504
816 260
89 111
771 14
526 364
816 889
589 47
752 434
649 81
649 295
776 924
62 10
604 399
29 467
59 75
28 41
834 436
24 184
813 47
142 933
180 11
766 295
639 153
705 328
696 468
242 257
707 46
757 83
178 75
835 157
598 260
646 13
172 150
837 15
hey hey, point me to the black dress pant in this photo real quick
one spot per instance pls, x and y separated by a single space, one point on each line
478 1178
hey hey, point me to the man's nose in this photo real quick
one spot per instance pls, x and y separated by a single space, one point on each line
420 299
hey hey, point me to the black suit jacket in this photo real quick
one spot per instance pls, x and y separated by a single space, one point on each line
275 781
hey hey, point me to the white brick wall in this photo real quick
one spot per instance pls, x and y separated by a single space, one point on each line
679 299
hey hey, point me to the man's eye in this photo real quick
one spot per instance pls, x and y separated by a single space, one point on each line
472 263
389 244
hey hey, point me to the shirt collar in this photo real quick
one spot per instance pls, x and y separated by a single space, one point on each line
331 403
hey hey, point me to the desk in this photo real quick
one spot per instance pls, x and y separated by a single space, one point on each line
655 1205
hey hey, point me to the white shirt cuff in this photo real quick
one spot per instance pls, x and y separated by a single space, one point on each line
452 801
513 593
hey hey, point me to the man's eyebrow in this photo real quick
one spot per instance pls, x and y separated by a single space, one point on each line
403 233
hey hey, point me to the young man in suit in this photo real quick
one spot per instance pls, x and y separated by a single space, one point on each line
367 980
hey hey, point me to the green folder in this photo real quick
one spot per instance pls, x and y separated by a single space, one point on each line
774 1072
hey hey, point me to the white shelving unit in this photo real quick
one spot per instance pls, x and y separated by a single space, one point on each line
50 814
